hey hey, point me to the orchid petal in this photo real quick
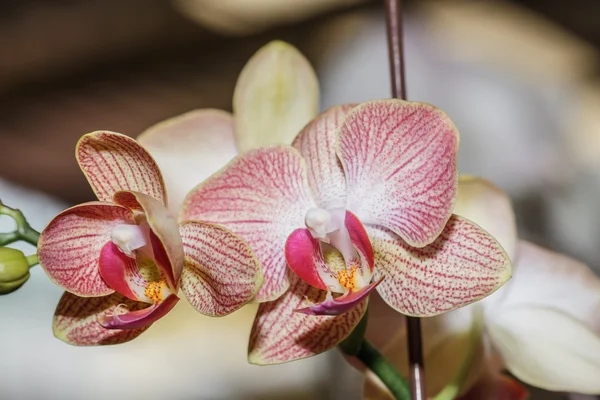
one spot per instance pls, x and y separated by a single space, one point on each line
139 318
76 320
317 144
189 148
164 234
552 280
112 162
70 246
221 272
547 349
280 335
342 304
400 163
463 265
276 94
261 196
489 207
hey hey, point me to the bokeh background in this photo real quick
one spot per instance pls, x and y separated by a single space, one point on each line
519 78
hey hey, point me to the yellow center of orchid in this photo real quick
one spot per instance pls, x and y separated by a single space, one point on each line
154 290
348 278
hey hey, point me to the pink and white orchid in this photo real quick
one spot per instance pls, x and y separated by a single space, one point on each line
388 164
543 326
123 259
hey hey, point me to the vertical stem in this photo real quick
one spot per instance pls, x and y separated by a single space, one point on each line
396 48
398 77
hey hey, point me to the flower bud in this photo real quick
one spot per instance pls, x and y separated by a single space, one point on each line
14 270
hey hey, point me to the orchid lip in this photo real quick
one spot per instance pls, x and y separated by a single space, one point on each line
335 306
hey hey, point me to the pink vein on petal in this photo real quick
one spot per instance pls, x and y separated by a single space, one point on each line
221 272
69 247
112 162
463 265
400 163
280 335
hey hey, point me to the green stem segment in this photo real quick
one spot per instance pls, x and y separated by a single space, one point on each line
391 378
24 231
32 260
357 346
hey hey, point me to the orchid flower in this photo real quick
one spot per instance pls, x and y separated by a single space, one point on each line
543 327
387 164
123 259
276 94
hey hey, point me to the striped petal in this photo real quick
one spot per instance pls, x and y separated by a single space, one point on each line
112 162
339 305
76 320
279 334
548 349
489 207
221 272
463 265
164 234
69 247
276 94
399 160
189 148
139 318
261 196
317 144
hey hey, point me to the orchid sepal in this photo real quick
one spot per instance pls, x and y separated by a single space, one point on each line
281 335
276 94
76 320
129 167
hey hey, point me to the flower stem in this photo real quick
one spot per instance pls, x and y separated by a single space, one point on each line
356 345
24 231
385 371
32 260
398 83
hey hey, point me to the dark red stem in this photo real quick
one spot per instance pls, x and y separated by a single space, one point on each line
396 53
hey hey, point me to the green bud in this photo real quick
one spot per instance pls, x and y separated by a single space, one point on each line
14 270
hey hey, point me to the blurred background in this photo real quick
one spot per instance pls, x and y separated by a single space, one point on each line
519 78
